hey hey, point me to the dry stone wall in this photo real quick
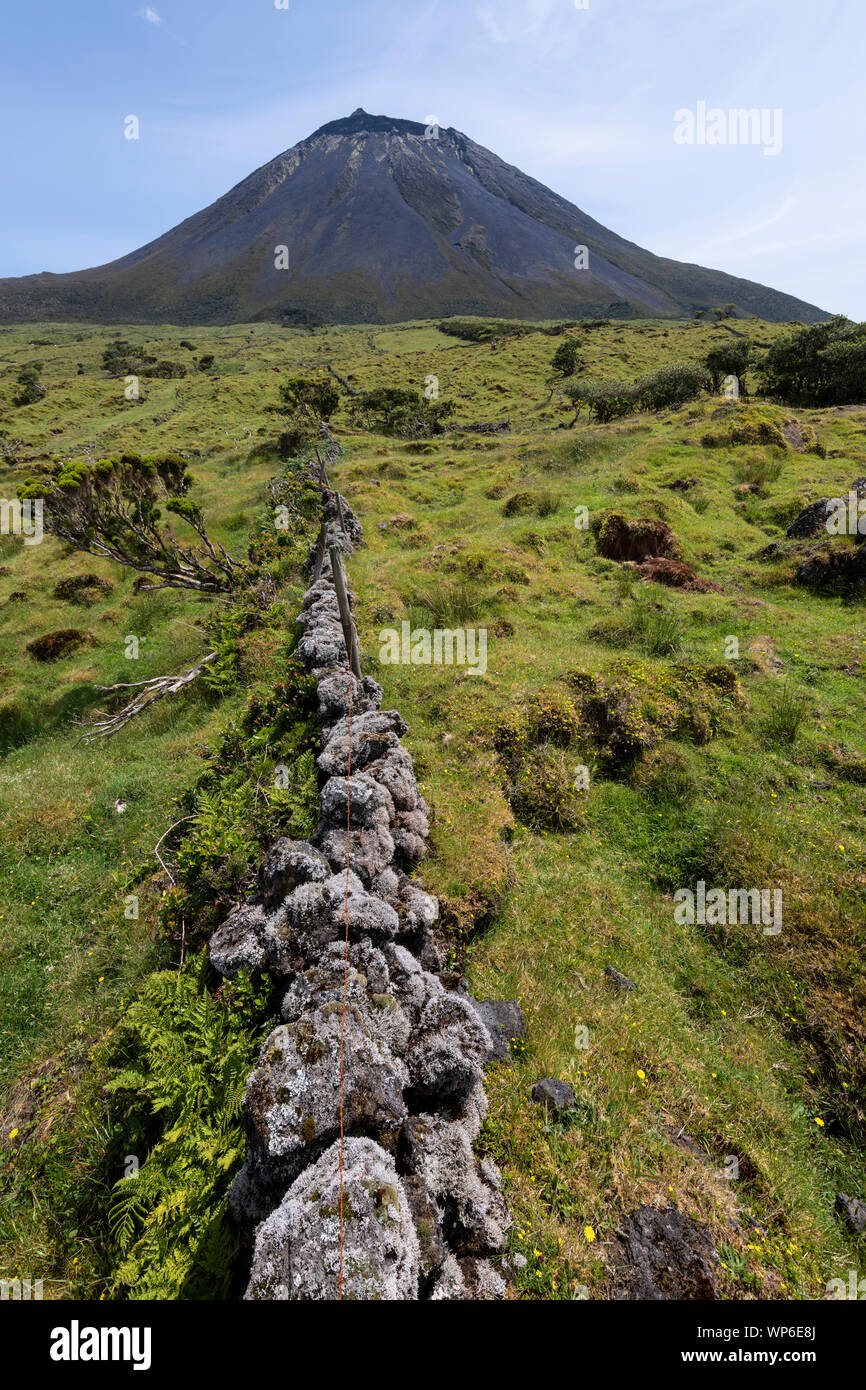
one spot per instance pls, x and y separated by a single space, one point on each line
422 1216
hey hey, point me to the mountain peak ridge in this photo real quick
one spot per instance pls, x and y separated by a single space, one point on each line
362 122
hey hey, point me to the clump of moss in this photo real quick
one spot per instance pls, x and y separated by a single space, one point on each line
620 539
665 775
543 794
846 765
553 717
638 705
57 644
519 502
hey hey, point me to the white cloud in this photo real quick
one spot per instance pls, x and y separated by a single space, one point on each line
149 15
750 234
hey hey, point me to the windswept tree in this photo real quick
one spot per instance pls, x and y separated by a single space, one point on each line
401 411
30 390
305 404
672 385
567 359
113 507
119 508
665 388
122 358
733 358
603 400
824 364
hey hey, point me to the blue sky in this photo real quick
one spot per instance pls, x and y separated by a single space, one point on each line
582 99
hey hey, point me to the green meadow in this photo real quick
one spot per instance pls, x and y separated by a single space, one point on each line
721 732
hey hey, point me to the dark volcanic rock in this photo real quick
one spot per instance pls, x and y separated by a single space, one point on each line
812 520
503 1022
619 979
665 1255
852 1211
555 1096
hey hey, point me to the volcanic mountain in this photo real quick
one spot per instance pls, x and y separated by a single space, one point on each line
378 220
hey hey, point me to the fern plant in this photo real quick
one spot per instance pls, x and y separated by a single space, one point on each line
188 1056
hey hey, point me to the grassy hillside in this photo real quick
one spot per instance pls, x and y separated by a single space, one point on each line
744 772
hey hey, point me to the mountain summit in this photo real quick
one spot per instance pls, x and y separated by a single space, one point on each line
372 219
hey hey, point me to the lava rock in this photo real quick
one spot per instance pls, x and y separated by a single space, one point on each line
852 1211
556 1096
297 1249
446 1055
238 943
289 864
333 692
622 980
292 1099
503 1022
665 1255
812 520
465 1192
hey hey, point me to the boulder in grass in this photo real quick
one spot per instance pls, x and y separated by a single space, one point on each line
556 1096
812 520
665 1255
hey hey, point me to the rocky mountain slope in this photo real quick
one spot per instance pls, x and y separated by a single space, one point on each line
382 220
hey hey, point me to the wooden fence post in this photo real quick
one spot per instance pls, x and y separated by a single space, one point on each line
345 612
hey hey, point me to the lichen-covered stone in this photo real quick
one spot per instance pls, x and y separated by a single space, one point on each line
316 914
373 735
413 986
449 1283
448 1047
363 800
483 1282
245 939
333 692
395 771
327 916
465 1192
238 943
297 1249
325 981
289 864
368 852
292 1099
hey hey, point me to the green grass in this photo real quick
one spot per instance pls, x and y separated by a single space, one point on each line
741 1041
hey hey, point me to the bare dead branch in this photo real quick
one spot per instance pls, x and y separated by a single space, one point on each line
149 692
